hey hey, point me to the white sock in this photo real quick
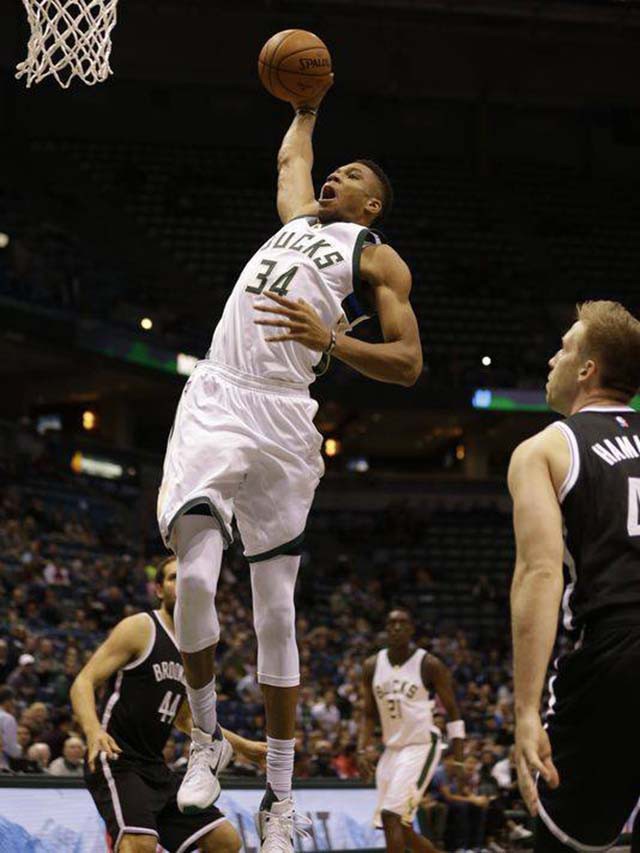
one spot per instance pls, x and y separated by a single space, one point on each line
280 757
202 701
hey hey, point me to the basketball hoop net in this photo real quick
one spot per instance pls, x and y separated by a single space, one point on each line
69 38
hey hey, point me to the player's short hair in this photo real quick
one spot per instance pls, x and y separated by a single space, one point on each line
385 183
612 335
402 609
162 565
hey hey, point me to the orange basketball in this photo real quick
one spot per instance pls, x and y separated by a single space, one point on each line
294 65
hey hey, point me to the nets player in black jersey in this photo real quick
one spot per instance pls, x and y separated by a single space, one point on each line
133 789
576 494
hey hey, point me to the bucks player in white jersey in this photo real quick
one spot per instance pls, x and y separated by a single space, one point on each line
396 688
243 442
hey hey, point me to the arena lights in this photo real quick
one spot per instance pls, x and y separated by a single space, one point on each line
81 464
332 447
4 240
146 323
185 363
89 420
486 360
517 400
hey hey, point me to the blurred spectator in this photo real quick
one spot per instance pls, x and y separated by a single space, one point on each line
70 763
41 755
8 727
432 818
466 814
5 662
25 738
326 713
24 678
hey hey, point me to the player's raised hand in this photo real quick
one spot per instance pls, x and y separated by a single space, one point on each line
100 741
301 320
533 755
315 100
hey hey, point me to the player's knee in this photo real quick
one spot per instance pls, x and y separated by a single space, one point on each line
138 844
276 624
195 587
223 839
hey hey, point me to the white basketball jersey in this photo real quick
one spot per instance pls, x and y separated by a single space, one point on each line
304 260
403 701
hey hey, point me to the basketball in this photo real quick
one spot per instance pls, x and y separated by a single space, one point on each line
294 65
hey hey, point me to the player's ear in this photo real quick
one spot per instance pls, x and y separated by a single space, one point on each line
587 369
373 206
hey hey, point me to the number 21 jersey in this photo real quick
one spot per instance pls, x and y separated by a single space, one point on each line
403 701
143 698
303 260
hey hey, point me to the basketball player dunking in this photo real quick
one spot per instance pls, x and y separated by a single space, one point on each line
397 680
244 443
576 494
133 789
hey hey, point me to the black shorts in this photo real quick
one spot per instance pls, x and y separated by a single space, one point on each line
140 799
593 725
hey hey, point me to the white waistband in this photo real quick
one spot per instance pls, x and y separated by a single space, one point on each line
257 383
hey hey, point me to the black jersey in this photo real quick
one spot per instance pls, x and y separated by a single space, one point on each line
143 697
601 509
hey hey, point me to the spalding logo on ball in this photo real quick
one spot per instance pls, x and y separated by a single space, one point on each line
294 64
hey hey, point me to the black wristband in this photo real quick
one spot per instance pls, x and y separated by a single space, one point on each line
306 111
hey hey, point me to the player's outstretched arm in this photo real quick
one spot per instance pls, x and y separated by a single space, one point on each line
295 162
253 750
126 642
536 593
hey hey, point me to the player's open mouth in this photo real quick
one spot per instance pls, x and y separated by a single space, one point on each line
327 193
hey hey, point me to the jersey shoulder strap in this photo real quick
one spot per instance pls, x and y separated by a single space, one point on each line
134 664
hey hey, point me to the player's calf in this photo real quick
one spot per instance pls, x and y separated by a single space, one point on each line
393 832
222 839
138 844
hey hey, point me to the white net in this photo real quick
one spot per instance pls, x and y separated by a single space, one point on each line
69 38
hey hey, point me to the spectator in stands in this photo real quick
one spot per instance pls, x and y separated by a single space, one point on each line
24 678
62 727
70 763
432 818
466 810
326 713
345 763
5 661
321 762
41 755
8 727
36 717
25 738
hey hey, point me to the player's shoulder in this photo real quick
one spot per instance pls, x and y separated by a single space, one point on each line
380 263
540 445
133 632
369 666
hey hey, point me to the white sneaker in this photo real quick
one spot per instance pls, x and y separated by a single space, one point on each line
200 787
277 824
519 833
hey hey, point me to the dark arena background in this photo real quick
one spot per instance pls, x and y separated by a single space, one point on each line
511 132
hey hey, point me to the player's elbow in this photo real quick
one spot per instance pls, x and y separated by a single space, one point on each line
410 369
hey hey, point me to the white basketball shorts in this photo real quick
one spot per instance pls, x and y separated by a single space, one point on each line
402 777
247 447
